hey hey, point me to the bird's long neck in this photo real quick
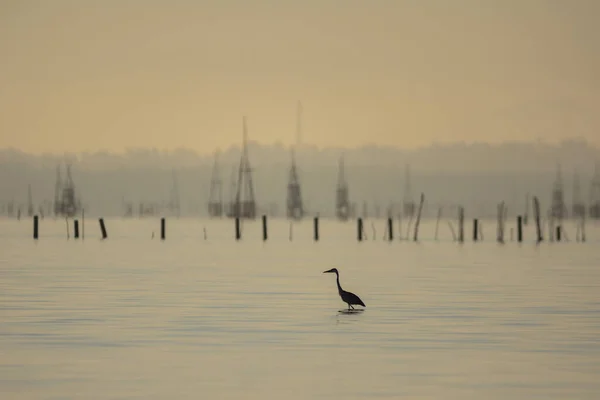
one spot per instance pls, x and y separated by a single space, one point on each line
337 279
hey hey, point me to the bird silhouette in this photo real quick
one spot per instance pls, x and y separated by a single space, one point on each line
348 297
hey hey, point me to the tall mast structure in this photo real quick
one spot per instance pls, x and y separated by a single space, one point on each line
68 204
244 205
558 208
215 201
295 207
342 203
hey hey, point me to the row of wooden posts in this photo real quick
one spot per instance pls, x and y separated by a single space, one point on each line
555 232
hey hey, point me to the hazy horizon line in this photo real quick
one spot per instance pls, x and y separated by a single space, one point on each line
436 144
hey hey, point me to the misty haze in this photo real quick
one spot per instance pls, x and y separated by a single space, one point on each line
477 176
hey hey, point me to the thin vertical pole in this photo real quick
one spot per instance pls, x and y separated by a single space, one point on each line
536 215
238 232
102 228
360 229
461 227
35 227
416 234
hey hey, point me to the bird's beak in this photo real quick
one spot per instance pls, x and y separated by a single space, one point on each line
330 270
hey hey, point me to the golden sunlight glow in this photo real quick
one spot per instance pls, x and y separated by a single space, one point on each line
110 75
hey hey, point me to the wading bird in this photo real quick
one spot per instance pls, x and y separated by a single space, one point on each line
347 297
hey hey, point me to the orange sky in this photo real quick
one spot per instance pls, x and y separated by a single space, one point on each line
78 75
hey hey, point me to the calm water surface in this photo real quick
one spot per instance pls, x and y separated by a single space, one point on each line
136 318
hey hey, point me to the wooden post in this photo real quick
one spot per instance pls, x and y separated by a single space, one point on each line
163 229
360 229
390 227
67 223
416 233
102 228
35 227
75 229
536 215
583 228
558 233
475 230
264 226
291 233
461 226
500 228
316 228
238 232
519 229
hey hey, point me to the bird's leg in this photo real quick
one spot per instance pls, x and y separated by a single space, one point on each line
351 306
